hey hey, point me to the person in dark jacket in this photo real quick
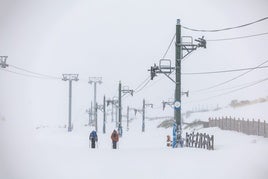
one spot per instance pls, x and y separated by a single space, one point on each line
115 138
93 137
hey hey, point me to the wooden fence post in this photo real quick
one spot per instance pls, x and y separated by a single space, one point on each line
234 124
192 139
200 140
258 129
187 139
196 139
230 123
222 119
248 129
238 125
243 126
264 125
212 142
205 141
225 123
251 127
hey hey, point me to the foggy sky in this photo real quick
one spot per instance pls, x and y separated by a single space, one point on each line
120 40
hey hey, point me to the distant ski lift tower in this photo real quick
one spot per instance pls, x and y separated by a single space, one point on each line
95 81
144 105
70 78
115 104
3 63
125 90
104 115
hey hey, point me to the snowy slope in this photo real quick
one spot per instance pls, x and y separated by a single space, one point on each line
53 153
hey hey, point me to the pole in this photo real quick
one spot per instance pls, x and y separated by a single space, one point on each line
112 112
177 103
119 110
90 114
70 107
127 118
116 116
143 115
70 78
104 115
95 80
95 107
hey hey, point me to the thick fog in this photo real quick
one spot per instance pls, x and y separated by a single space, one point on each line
119 40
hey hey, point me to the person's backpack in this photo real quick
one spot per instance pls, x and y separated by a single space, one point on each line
93 135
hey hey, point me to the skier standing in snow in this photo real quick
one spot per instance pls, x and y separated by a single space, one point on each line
93 137
115 139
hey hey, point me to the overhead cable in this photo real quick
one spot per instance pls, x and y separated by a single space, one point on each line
236 38
220 84
224 71
232 91
224 29
34 73
147 80
26 75
143 86
164 56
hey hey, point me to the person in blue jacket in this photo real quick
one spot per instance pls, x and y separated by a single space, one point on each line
93 137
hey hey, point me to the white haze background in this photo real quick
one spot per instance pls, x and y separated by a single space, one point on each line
120 40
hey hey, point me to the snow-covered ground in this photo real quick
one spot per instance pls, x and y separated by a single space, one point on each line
53 153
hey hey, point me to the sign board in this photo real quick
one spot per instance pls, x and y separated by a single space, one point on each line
177 105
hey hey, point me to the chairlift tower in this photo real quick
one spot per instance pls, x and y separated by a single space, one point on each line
102 108
114 103
125 90
144 105
166 69
95 81
70 78
90 114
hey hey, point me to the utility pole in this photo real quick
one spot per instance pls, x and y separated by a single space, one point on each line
177 102
120 110
104 115
143 113
3 60
120 91
143 116
89 111
114 101
70 78
127 118
166 69
95 80
116 115
112 113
